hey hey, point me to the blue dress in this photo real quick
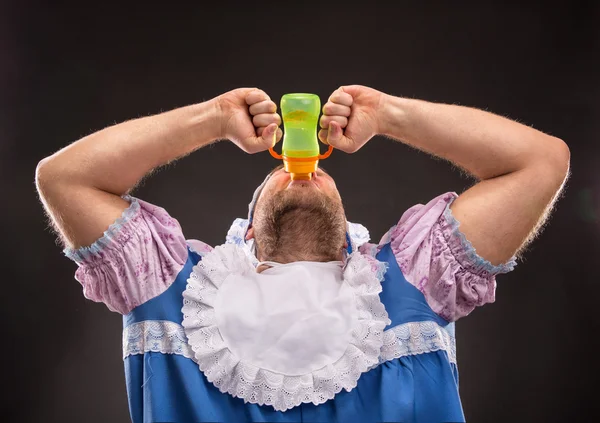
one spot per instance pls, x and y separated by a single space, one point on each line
141 267
421 385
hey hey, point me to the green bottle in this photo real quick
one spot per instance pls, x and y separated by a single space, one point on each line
300 114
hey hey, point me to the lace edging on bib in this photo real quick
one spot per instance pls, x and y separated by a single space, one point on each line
264 387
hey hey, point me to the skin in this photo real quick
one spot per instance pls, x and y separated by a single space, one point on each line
520 170
307 191
81 185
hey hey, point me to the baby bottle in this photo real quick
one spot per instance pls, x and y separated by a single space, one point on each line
300 149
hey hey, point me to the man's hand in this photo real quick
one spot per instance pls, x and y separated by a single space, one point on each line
82 184
249 119
350 117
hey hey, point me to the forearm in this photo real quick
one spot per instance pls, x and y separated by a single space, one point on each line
81 185
116 158
484 144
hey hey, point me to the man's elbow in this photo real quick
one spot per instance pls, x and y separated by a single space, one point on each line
557 158
45 174
563 157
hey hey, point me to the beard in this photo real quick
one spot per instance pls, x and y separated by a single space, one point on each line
300 224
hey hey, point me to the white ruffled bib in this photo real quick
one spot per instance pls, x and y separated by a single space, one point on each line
295 333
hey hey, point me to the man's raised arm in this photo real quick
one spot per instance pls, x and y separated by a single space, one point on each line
521 170
81 185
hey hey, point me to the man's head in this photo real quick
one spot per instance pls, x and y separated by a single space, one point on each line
299 220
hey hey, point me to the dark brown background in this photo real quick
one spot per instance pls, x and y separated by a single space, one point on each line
66 71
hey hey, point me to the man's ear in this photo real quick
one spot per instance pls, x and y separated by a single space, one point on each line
250 233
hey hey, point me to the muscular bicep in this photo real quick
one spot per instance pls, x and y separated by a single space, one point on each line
499 216
89 214
79 213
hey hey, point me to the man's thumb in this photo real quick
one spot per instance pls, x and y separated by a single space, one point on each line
334 134
269 135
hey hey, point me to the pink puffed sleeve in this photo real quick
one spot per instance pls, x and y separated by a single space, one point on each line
436 258
136 259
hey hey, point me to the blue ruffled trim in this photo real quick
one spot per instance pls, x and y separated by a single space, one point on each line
358 234
469 251
382 268
237 235
81 254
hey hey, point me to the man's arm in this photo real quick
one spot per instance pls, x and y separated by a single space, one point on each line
82 184
521 170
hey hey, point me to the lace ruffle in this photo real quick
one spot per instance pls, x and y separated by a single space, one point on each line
465 252
81 254
358 234
406 339
417 338
159 336
264 387
237 236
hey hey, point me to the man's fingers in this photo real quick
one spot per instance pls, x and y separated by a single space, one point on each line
340 120
265 106
265 119
256 96
336 109
341 97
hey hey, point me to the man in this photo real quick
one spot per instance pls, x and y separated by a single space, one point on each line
297 317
